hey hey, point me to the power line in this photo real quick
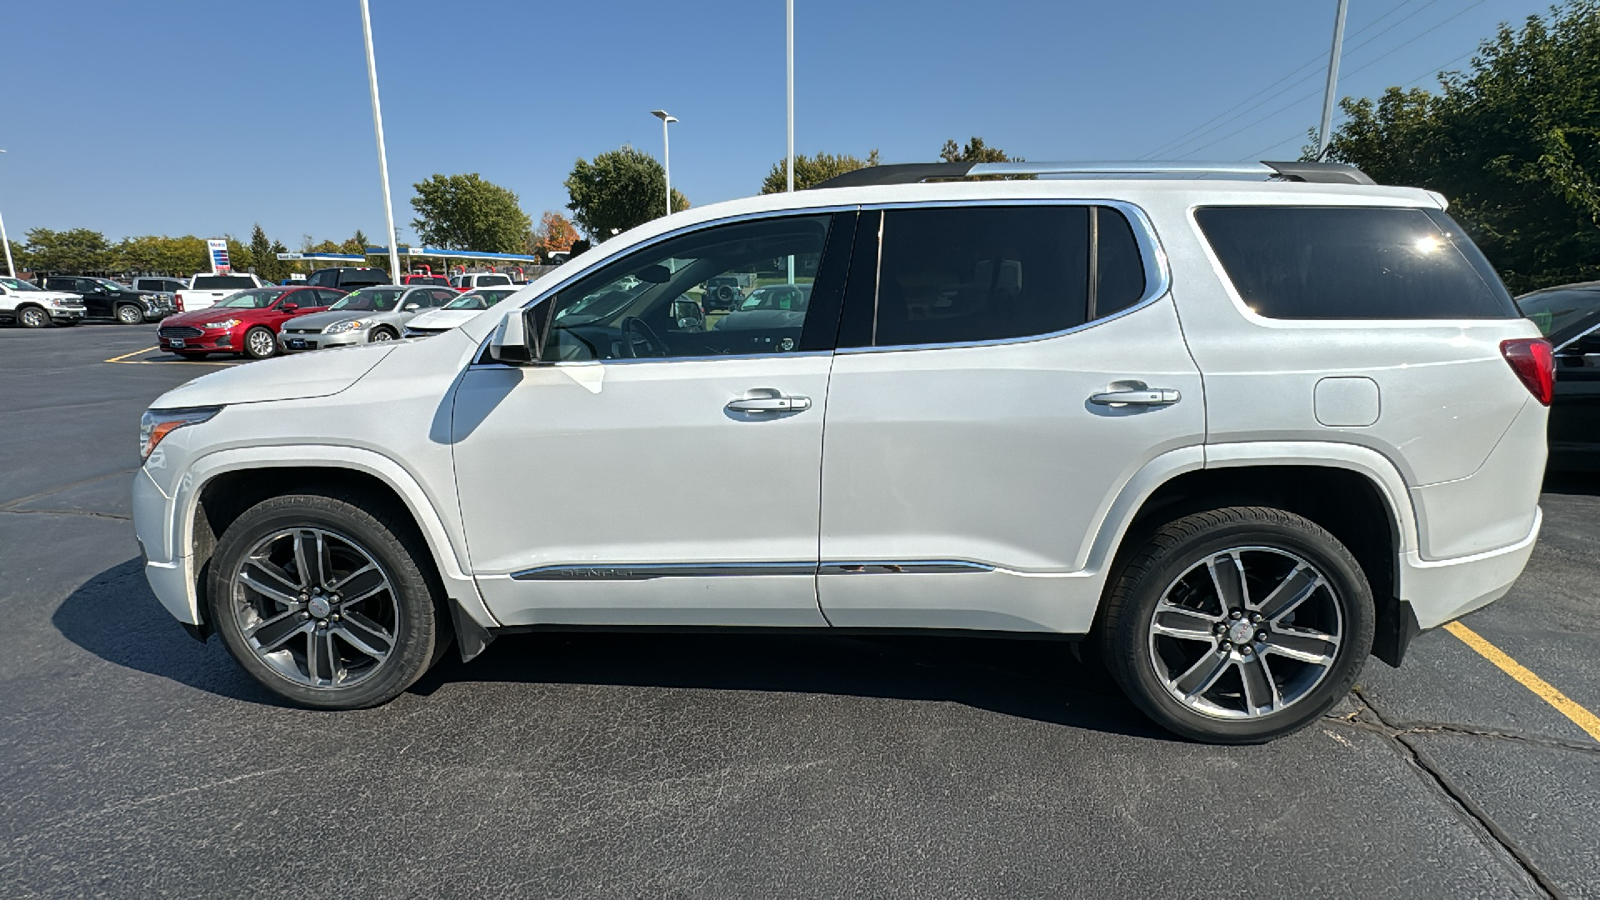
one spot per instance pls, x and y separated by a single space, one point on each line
1191 135
1353 73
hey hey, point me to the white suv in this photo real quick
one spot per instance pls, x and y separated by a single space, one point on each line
1237 434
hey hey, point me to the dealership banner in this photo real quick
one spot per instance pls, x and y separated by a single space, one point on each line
219 256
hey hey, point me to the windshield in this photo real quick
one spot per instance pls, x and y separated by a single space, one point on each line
110 285
17 284
251 300
478 299
370 300
1559 312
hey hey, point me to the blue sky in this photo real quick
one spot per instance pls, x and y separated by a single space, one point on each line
204 116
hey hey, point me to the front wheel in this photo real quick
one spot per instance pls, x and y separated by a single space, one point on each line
323 602
260 343
33 317
379 335
1238 625
128 314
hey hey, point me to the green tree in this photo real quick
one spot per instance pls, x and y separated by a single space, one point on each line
621 189
810 171
357 243
465 212
269 267
74 251
975 151
240 259
21 259
1513 142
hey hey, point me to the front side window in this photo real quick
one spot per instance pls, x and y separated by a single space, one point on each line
1308 262
1561 313
480 299
652 303
17 284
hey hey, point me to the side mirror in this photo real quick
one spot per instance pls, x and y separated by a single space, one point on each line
289 307
519 339
411 307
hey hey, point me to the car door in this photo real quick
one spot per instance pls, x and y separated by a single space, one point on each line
997 384
650 474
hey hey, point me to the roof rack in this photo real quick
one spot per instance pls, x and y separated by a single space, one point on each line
912 173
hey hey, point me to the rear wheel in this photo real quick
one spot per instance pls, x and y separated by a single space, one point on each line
260 343
323 602
33 317
128 314
1238 625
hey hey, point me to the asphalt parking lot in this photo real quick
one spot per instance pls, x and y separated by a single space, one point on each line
137 762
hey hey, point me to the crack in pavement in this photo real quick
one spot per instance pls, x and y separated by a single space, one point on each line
1369 718
9 504
67 512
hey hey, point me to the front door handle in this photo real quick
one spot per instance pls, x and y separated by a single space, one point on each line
1144 397
767 400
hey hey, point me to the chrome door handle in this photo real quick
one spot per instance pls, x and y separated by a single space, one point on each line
1146 397
769 402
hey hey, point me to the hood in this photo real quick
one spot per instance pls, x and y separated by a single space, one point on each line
213 313
46 295
321 320
280 378
444 318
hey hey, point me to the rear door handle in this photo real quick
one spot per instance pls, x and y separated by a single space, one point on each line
1145 397
767 400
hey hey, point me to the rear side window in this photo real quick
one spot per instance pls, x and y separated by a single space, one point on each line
1296 262
489 280
222 282
963 274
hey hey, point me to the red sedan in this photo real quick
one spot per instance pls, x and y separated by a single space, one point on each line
246 322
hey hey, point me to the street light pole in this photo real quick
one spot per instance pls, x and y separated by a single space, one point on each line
788 11
10 269
666 153
383 159
1323 135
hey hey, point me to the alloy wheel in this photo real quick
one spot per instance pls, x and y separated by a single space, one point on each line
382 334
315 607
34 318
129 315
1246 632
261 343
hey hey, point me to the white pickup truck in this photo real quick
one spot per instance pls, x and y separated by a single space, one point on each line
206 289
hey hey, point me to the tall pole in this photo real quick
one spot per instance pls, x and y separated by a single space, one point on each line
383 160
666 152
1324 134
788 9
10 268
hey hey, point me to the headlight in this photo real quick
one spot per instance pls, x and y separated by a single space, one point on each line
156 424
225 323
342 327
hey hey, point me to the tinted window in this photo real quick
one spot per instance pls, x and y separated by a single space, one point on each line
1119 269
1353 263
651 303
961 274
222 282
490 280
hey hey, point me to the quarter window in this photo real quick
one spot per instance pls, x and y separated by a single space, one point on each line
1299 262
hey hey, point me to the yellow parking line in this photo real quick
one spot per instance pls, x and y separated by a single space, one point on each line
134 353
123 359
1565 705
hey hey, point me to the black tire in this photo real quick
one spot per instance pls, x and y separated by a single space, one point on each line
419 624
33 317
1135 653
258 347
382 333
129 314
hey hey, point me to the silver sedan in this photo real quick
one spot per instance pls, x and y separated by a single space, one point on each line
368 315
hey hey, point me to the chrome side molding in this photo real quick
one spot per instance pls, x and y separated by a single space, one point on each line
647 572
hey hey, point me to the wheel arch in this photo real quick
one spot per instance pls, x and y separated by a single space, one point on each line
223 485
1341 487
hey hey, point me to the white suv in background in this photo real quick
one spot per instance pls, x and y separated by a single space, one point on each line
1237 433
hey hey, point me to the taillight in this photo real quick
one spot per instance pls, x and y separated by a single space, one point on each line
1535 363
177 301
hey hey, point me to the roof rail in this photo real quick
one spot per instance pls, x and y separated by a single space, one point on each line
912 173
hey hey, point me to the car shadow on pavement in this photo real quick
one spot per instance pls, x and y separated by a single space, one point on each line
115 616
1580 483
